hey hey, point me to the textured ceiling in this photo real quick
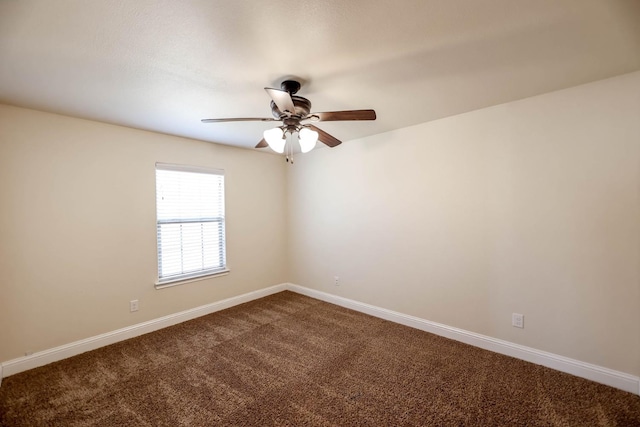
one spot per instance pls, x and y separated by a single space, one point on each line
164 65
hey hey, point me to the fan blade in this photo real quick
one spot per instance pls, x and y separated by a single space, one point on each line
333 116
243 119
262 144
282 99
325 138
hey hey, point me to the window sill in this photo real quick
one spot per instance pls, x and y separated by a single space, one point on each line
177 282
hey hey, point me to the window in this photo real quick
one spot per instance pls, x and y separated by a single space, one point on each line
190 222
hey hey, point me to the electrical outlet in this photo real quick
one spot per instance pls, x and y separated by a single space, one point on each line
133 305
517 320
336 280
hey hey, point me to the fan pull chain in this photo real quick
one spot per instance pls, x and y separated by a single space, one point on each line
286 148
289 149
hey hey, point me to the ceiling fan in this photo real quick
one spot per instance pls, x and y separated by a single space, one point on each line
295 114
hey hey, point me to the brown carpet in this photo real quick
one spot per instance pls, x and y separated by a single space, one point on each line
290 360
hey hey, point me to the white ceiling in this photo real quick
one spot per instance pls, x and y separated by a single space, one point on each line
164 65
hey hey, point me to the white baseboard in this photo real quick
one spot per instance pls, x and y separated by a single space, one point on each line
45 357
589 371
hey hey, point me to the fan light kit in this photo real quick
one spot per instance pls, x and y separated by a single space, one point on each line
294 113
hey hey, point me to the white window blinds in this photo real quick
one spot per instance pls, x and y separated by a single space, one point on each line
190 222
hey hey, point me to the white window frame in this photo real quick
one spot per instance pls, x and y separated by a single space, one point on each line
199 274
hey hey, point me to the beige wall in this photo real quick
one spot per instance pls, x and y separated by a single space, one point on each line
530 207
77 227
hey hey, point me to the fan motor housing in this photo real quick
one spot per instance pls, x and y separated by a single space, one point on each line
302 105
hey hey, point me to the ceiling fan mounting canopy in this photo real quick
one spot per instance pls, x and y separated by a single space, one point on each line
295 114
291 86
